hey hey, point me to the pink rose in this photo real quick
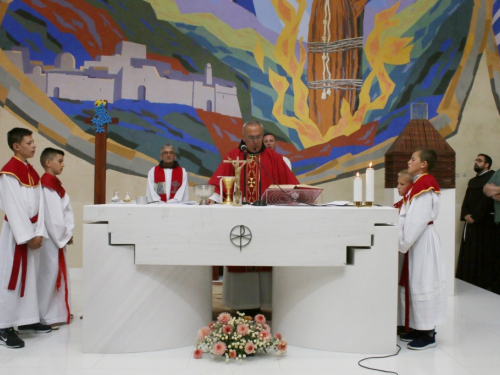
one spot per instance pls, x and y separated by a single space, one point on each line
198 353
242 329
203 332
250 348
278 336
219 348
224 318
232 354
282 345
265 335
227 329
260 319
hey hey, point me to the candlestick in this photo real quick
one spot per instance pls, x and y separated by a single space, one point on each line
370 185
358 190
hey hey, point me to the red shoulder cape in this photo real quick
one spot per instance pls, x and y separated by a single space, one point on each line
424 183
24 173
52 182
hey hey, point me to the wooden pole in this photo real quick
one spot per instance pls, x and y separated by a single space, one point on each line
100 167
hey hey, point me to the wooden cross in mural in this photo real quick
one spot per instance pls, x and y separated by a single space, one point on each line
101 121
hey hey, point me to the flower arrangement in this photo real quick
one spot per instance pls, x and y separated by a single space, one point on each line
237 337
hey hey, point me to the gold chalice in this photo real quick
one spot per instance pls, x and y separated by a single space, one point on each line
228 183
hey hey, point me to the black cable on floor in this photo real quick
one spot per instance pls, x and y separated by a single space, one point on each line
376 369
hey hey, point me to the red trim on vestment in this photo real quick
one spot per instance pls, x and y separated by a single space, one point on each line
424 183
24 173
177 176
61 274
53 183
20 259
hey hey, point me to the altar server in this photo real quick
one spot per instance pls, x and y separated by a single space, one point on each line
270 142
249 288
168 181
53 278
405 181
20 239
423 274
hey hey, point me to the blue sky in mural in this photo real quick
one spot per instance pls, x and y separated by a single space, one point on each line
496 21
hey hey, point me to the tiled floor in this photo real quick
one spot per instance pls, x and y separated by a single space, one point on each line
469 343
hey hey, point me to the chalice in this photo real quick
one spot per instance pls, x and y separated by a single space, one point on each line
203 192
228 183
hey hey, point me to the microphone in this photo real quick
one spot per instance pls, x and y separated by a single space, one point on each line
244 148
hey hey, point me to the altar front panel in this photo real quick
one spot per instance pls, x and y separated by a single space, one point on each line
146 267
201 235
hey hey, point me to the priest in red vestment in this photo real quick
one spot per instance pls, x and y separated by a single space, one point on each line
249 288
265 167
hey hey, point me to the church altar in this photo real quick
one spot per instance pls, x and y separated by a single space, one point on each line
147 273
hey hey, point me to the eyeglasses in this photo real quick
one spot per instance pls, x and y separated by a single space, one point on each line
254 138
168 153
479 161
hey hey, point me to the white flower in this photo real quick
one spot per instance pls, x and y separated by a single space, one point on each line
244 355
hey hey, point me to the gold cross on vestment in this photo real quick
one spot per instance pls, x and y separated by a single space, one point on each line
251 182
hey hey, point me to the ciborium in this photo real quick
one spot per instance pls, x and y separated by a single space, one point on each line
203 192
228 183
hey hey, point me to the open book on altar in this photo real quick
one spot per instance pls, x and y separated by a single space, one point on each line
291 194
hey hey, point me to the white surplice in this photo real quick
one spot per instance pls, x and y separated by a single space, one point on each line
19 203
426 262
182 193
287 162
247 290
59 223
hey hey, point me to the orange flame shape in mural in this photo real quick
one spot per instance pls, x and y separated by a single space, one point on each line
381 48
284 53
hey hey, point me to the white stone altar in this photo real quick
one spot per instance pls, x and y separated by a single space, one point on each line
147 273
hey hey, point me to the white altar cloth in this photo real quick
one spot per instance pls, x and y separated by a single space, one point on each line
334 282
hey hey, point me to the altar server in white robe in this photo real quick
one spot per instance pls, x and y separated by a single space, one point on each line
53 278
168 181
423 275
21 237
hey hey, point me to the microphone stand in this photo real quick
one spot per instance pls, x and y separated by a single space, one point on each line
260 202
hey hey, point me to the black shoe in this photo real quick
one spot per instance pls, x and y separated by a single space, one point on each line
410 336
34 328
9 338
424 342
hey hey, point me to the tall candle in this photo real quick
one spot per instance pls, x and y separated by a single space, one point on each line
358 188
370 184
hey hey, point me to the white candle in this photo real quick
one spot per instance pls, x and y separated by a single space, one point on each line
358 188
370 184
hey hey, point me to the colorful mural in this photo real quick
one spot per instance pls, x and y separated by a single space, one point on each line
192 72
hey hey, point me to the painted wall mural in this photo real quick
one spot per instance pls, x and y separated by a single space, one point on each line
333 79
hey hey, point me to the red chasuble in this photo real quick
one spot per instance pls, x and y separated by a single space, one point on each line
251 175
422 184
28 177
175 184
